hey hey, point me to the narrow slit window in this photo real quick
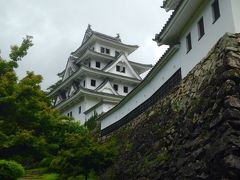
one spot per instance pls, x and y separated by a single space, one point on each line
201 30
79 109
189 42
215 10
115 87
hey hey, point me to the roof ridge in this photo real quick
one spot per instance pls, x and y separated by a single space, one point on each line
117 38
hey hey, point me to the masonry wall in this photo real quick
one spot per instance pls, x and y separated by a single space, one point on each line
193 133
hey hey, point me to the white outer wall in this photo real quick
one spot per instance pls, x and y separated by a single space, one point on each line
85 104
88 82
212 33
120 88
102 64
75 111
101 109
90 102
236 14
97 48
182 60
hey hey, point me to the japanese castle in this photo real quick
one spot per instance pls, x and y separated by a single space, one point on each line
97 76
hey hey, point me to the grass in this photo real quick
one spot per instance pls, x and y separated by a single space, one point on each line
39 174
50 176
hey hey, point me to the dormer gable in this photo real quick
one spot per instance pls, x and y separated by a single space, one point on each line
106 87
122 67
70 68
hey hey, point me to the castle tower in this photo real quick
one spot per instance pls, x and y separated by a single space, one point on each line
97 76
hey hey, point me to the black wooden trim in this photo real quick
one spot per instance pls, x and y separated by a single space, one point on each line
158 95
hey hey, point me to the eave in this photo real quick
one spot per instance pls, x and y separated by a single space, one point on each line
170 4
99 104
94 38
139 67
91 54
83 70
62 106
171 32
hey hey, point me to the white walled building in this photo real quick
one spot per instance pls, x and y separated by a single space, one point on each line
191 31
97 76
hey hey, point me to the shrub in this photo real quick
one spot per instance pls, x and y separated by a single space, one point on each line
10 170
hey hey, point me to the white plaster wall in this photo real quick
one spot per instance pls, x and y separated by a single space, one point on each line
85 104
182 59
75 111
107 107
102 64
90 102
97 48
88 82
127 73
236 14
100 109
213 32
82 82
120 88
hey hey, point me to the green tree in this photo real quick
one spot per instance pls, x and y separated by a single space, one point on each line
31 131
82 155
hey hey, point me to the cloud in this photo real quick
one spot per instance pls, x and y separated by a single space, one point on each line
58 27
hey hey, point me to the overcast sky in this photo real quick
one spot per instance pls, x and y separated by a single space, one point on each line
58 26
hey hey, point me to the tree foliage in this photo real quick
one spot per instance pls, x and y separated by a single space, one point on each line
10 170
31 131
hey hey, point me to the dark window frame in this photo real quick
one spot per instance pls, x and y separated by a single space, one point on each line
118 68
189 42
98 64
123 69
93 82
115 87
125 89
80 109
107 51
84 83
216 11
102 50
201 29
